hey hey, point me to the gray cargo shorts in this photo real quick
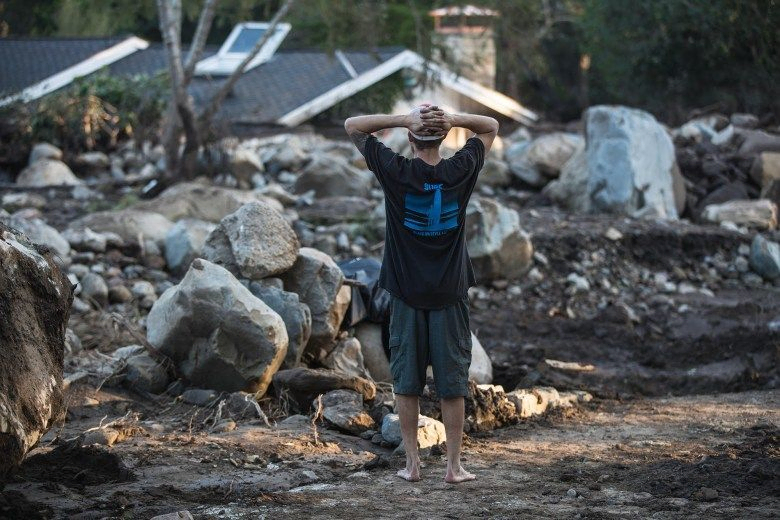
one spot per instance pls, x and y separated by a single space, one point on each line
438 337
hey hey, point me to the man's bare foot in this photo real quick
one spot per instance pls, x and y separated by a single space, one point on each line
411 475
459 475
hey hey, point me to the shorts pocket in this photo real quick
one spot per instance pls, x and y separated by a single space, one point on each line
396 353
464 355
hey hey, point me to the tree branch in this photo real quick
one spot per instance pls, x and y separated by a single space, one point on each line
216 100
199 40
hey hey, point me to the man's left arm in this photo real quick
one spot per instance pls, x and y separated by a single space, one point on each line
360 127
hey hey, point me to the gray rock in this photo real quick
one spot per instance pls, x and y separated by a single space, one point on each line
199 396
627 166
519 166
329 175
244 164
92 161
317 280
339 397
202 202
72 343
47 172
495 174
218 333
296 316
178 515
146 374
349 418
129 224
765 257
119 294
102 436
254 242
44 151
39 232
332 210
85 240
549 152
765 170
744 120
35 298
370 337
759 214
184 243
430 432
242 406
480 368
347 359
758 141
94 288
16 201
303 385
143 289
498 247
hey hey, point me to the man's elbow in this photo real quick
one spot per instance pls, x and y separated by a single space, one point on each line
494 124
349 125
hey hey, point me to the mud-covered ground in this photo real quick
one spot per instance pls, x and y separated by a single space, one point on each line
706 456
684 424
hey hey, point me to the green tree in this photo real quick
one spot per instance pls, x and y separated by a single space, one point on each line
669 56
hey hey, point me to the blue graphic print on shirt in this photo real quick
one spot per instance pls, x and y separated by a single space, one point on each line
432 213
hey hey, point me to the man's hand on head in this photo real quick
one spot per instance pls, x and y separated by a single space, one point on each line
436 120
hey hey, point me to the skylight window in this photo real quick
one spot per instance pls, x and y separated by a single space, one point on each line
246 39
239 44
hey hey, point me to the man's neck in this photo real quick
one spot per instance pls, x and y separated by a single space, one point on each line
428 155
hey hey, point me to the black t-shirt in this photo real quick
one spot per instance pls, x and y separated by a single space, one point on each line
426 263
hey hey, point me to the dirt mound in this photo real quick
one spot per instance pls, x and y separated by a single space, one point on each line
77 467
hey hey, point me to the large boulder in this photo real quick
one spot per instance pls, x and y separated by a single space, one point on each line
626 167
40 232
202 202
347 358
130 224
318 281
254 242
498 246
184 243
374 356
296 316
217 332
549 152
35 299
47 172
330 175
765 257
520 167
44 151
536 162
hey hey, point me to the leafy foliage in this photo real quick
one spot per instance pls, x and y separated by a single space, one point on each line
671 55
93 113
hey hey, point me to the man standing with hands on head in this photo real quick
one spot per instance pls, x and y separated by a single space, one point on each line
426 267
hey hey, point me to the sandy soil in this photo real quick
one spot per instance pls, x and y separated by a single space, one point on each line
709 456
